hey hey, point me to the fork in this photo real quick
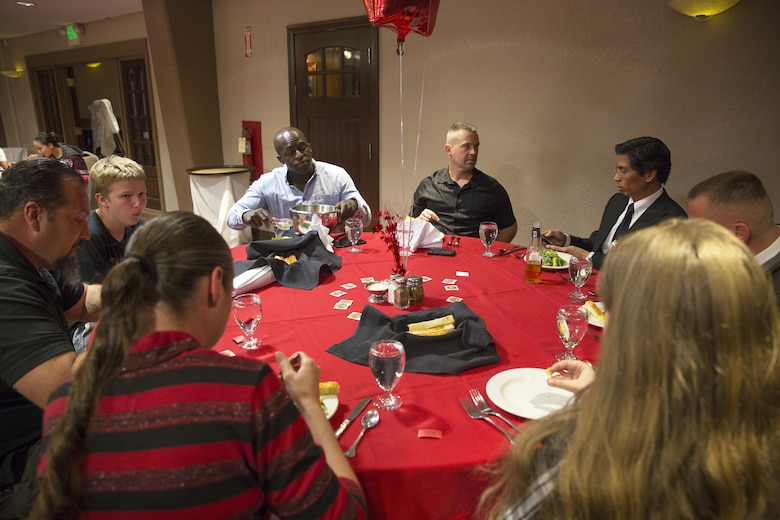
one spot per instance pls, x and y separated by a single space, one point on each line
474 413
565 277
485 408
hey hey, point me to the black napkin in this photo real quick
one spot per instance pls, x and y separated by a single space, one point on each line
468 346
312 256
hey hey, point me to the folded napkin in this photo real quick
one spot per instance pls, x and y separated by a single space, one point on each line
468 346
423 234
253 279
313 258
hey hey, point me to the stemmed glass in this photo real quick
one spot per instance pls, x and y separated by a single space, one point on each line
353 227
281 225
579 271
387 359
572 321
248 310
488 231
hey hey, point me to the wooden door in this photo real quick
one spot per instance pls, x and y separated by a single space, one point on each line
48 103
139 127
334 96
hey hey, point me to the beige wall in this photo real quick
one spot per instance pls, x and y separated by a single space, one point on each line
552 85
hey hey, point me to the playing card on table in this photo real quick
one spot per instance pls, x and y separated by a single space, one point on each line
367 279
342 304
348 286
426 278
338 294
354 316
461 274
454 299
451 288
449 281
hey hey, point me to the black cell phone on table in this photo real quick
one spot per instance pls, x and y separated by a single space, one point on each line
546 240
440 251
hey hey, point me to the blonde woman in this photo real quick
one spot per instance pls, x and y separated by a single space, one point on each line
682 420
156 425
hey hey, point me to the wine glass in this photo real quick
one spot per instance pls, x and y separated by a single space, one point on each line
281 225
353 227
387 359
488 231
579 271
248 310
572 321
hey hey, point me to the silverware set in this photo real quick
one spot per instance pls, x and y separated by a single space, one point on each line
478 408
454 241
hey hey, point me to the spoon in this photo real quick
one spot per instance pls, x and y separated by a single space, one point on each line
369 420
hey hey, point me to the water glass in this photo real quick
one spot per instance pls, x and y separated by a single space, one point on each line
579 271
387 359
488 231
353 227
572 323
248 311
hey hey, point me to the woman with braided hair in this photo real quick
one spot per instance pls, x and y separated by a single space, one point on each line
155 424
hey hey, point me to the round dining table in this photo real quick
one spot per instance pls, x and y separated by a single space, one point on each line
427 458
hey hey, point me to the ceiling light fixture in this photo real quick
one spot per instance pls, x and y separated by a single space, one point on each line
702 10
26 4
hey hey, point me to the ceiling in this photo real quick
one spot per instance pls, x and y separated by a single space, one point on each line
47 15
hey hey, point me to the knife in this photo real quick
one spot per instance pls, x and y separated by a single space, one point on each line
507 251
352 416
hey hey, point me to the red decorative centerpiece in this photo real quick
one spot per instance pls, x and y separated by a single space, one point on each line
387 227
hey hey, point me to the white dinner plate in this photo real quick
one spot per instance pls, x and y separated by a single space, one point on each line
563 256
331 403
525 393
593 318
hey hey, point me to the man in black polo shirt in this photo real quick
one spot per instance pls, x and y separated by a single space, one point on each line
43 218
457 198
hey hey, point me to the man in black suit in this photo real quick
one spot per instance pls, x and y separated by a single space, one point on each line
643 166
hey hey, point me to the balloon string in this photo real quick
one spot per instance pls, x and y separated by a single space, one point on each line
401 99
419 120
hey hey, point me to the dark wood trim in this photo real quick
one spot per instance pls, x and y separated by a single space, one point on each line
93 53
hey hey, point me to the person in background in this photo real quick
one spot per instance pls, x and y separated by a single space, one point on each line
119 186
4 164
43 219
157 424
457 198
642 170
300 180
48 145
739 201
679 423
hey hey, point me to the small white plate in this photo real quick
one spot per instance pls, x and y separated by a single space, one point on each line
331 403
593 318
564 256
525 393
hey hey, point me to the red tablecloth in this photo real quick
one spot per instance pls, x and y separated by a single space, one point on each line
405 476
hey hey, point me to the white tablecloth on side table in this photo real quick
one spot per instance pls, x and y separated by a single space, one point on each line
214 191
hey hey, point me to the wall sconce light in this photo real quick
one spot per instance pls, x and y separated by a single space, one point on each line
94 64
701 10
13 74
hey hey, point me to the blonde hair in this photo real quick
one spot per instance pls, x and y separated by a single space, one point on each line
682 421
108 170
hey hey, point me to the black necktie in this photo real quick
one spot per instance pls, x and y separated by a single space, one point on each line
623 227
